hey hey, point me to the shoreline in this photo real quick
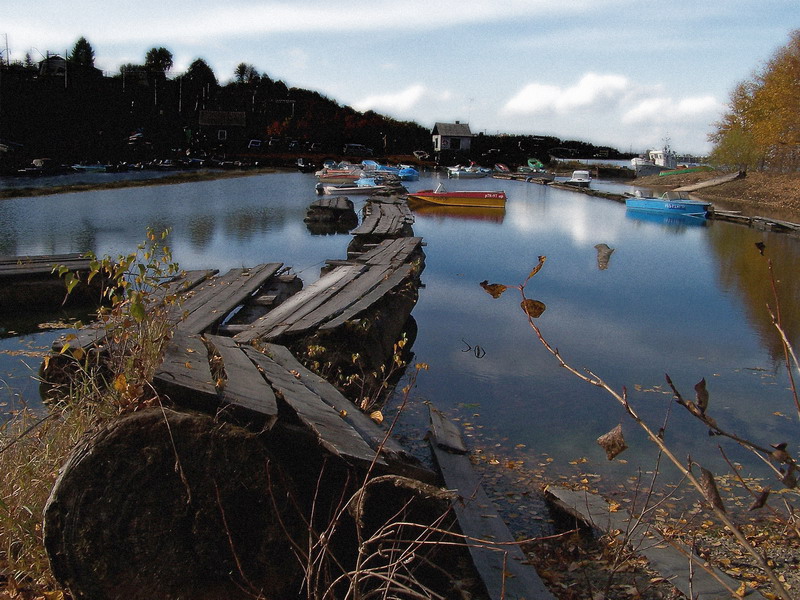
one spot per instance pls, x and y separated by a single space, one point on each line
173 179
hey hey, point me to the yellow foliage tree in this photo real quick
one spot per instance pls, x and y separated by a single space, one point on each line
762 126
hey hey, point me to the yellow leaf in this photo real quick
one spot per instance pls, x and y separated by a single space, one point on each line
120 382
78 353
343 413
376 416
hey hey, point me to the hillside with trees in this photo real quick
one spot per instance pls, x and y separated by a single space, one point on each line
66 109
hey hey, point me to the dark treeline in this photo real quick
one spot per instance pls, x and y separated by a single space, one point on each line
65 109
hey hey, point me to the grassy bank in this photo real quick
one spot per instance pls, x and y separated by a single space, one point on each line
775 195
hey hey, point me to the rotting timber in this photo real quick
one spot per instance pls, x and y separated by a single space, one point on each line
218 492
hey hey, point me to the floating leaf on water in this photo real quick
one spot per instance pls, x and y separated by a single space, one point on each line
495 290
613 442
533 308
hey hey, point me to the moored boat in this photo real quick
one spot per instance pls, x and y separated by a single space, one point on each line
677 203
473 171
482 198
579 178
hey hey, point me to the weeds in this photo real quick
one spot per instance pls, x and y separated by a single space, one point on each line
134 324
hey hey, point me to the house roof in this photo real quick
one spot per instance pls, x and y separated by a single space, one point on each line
452 129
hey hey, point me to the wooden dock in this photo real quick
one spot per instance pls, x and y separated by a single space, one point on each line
30 281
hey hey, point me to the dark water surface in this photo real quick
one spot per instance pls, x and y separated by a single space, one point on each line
676 297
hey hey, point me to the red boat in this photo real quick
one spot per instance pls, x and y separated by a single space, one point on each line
489 199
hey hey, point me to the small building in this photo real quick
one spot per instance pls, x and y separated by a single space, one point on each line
226 127
454 137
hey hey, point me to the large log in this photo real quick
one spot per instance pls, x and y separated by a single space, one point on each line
160 504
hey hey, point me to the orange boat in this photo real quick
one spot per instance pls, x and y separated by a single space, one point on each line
490 199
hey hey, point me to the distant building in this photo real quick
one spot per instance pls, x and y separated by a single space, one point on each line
226 127
455 137
53 65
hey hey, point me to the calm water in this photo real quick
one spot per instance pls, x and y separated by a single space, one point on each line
676 297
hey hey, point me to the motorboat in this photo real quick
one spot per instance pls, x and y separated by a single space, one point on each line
580 178
672 202
535 170
473 171
482 198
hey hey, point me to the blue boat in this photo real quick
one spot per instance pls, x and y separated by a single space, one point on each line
673 203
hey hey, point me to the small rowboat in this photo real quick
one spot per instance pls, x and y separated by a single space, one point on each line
674 203
492 199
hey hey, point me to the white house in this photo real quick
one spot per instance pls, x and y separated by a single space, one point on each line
451 136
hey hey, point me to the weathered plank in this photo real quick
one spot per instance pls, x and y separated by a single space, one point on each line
388 284
333 432
676 562
498 558
445 433
349 294
185 376
41 264
400 459
212 301
93 334
245 391
394 251
274 322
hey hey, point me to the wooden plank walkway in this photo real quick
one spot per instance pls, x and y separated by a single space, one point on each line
210 302
385 216
400 460
339 295
25 265
676 562
499 560
93 334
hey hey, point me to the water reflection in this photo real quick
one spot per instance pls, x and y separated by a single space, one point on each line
675 222
672 298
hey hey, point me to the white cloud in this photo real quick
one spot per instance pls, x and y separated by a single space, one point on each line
402 101
591 89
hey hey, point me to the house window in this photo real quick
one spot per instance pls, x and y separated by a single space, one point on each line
455 144
222 135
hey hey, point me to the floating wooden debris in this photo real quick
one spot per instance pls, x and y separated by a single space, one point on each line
331 214
497 557
29 281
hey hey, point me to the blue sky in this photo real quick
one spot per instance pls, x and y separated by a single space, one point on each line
623 73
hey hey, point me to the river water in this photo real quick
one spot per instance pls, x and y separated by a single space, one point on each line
686 298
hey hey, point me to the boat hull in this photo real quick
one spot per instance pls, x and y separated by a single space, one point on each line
692 208
488 199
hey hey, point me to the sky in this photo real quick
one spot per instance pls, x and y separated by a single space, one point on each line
623 73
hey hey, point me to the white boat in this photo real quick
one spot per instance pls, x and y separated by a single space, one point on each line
655 161
473 171
579 178
348 189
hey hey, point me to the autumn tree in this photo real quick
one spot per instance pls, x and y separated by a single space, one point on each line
762 126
